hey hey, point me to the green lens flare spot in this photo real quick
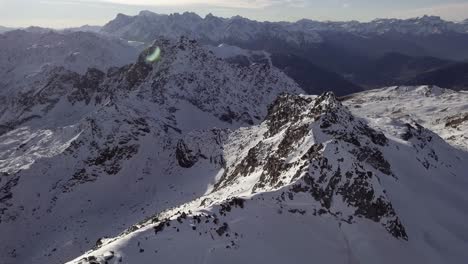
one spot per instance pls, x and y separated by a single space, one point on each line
154 56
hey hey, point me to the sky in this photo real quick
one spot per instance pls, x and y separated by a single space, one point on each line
71 13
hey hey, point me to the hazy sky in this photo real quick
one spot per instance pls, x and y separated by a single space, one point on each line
66 13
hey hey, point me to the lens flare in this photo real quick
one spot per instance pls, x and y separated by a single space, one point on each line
154 56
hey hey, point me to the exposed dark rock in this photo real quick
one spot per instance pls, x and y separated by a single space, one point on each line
297 211
244 168
159 227
138 72
222 229
86 86
286 109
185 156
373 157
110 158
292 138
456 121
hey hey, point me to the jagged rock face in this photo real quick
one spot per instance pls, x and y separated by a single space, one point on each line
185 156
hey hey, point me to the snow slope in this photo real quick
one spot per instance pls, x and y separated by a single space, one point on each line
96 153
441 110
314 182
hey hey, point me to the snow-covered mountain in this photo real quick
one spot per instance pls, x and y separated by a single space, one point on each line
147 25
187 155
95 153
313 181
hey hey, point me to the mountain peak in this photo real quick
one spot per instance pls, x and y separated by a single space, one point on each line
147 13
123 16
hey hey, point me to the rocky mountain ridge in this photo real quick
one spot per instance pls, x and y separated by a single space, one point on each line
311 178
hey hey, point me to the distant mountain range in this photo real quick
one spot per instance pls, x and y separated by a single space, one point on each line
85 28
351 51
349 56
425 36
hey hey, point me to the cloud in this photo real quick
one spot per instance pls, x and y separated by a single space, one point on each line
452 11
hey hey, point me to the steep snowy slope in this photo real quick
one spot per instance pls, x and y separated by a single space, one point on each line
441 110
313 183
96 153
